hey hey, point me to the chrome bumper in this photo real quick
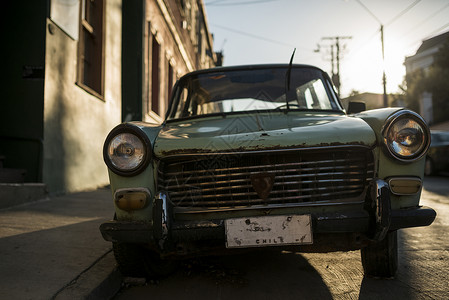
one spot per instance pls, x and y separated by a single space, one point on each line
374 222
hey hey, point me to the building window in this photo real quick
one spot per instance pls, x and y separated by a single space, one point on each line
183 5
155 58
91 47
169 81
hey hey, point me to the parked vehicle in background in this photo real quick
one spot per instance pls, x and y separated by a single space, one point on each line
437 158
264 156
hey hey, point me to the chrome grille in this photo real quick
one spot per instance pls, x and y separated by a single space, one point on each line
231 180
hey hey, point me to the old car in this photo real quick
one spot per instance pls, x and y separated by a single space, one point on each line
264 156
437 159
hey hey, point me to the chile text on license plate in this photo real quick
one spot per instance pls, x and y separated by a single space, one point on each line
268 231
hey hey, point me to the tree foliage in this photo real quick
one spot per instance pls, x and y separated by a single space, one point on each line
436 82
413 88
433 81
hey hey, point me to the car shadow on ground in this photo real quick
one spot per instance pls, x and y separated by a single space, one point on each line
390 288
260 274
276 274
420 275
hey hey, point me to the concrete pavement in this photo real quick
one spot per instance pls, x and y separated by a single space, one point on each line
53 249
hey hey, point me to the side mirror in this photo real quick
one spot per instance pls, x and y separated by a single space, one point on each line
356 107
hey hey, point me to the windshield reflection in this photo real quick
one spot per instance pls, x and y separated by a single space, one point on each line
245 90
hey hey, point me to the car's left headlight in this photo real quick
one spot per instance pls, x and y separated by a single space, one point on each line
406 135
127 150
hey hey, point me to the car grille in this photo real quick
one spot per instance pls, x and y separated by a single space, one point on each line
269 178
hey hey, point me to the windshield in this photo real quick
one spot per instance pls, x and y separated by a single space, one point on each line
233 91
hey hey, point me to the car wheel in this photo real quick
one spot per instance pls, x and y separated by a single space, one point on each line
134 260
381 259
429 169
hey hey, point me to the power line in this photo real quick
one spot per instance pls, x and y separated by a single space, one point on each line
214 2
255 36
433 32
366 41
218 3
384 77
353 52
393 19
369 11
426 19
403 12
439 29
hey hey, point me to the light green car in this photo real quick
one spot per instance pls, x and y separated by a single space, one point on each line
264 156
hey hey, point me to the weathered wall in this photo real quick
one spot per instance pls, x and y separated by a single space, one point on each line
158 23
75 122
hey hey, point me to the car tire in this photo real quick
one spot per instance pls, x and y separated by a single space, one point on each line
381 259
134 260
429 168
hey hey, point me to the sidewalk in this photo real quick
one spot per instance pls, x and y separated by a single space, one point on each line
53 249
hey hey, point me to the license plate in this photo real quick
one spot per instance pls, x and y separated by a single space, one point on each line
268 231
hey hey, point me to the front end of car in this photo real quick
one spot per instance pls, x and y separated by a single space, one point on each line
307 180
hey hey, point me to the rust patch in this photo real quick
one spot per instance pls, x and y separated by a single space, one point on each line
262 183
193 151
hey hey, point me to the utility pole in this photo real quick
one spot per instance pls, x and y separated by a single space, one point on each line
336 76
332 60
384 77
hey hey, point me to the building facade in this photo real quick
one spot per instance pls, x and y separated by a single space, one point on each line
162 40
77 68
423 60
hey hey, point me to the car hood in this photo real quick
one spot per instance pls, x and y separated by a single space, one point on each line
261 131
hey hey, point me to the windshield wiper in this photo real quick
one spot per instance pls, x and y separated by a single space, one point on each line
287 78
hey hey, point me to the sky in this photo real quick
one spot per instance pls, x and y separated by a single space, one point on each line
267 31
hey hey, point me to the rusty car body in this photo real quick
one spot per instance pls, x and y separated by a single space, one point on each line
264 156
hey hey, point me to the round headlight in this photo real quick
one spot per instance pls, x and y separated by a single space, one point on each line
126 150
406 136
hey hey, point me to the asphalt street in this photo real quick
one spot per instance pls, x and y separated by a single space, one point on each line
52 249
422 274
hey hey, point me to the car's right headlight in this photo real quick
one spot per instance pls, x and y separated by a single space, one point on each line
406 136
127 150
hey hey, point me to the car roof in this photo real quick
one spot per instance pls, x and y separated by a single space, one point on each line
249 67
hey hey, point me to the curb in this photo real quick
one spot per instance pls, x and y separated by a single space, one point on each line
102 280
13 194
